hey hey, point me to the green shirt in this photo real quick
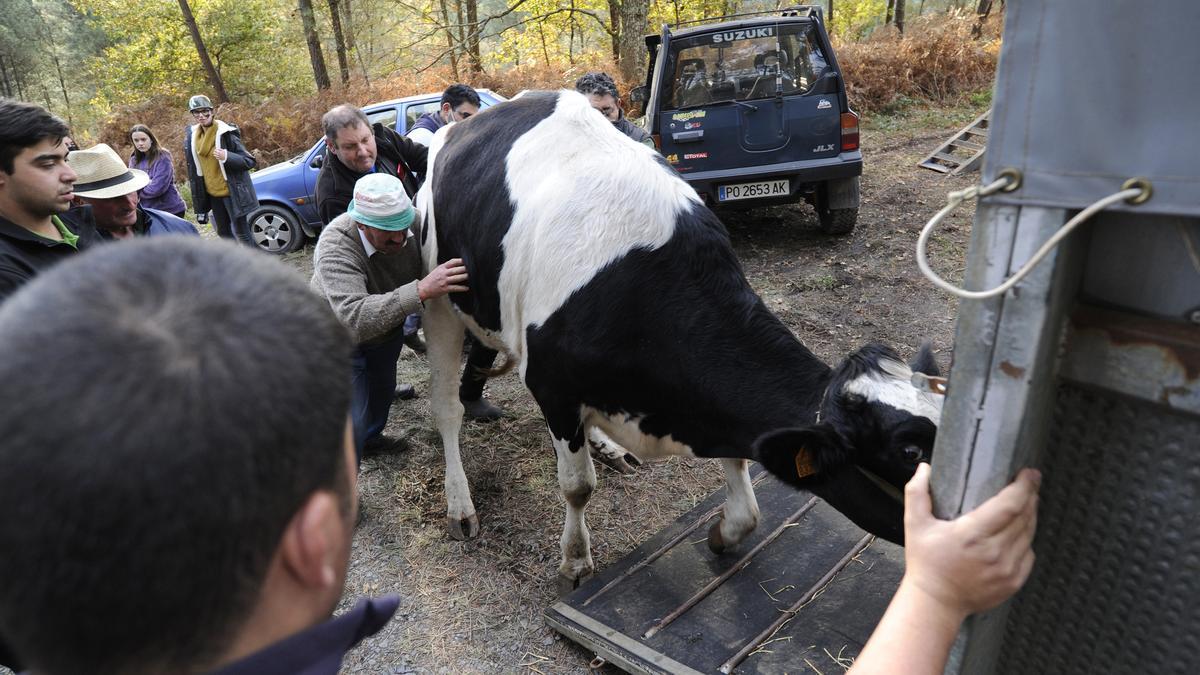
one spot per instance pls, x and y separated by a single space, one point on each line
68 237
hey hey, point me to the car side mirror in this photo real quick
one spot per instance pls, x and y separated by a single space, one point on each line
638 94
317 161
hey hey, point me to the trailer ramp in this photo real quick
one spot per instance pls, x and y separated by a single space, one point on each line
801 595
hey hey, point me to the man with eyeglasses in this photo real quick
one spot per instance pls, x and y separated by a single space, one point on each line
219 172
458 103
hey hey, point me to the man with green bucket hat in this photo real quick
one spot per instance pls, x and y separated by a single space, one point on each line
368 266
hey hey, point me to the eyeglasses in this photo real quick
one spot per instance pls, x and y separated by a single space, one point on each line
202 112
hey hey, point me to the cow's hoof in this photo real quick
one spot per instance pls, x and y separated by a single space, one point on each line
566 585
716 543
618 464
463 529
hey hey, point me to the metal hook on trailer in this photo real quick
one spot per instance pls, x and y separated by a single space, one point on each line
1133 191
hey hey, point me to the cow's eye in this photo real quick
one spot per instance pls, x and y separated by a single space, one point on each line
913 453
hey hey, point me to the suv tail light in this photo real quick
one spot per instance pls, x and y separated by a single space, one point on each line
849 131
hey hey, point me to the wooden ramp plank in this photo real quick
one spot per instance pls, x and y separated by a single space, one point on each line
816 556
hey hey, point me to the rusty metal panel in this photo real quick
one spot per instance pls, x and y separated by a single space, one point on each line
1154 360
802 594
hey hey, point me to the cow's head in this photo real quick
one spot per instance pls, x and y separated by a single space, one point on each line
875 423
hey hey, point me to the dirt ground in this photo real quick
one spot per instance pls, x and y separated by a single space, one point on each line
477 606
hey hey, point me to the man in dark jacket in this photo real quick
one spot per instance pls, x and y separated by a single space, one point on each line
357 148
219 172
458 103
35 193
111 190
602 93
227 552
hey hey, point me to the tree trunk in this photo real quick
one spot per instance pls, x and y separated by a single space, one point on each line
887 18
62 83
473 36
210 71
899 18
335 16
614 19
7 86
347 24
571 37
633 47
320 72
982 11
450 40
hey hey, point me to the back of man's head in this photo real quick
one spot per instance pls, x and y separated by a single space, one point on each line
168 405
24 125
458 94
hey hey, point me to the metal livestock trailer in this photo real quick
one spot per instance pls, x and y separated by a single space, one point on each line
1087 367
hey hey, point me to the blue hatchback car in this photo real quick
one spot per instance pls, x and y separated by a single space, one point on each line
287 208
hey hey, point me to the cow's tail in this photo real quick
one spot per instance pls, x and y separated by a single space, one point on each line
510 362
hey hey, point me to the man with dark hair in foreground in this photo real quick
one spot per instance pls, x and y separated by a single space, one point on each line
156 519
35 193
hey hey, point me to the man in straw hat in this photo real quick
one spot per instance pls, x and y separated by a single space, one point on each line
35 193
111 189
368 266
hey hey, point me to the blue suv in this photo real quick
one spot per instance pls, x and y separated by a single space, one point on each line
753 112
287 207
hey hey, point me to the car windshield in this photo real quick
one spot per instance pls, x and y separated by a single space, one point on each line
743 64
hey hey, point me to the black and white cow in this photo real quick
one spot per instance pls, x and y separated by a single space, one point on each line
616 294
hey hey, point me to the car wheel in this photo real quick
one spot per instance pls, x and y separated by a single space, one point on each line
275 229
836 221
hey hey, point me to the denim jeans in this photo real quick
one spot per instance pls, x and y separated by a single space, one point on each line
412 324
374 387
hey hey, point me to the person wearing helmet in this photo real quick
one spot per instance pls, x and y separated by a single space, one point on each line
219 172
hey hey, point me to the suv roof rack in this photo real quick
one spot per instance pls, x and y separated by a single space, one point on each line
810 11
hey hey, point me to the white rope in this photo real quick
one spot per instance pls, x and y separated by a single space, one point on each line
974 192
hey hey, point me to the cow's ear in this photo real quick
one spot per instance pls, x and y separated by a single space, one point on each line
924 362
796 454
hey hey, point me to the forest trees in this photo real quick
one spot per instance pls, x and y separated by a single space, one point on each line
82 58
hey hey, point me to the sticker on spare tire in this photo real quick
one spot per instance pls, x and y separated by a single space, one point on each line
750 34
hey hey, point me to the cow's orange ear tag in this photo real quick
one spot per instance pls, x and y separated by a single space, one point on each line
805 466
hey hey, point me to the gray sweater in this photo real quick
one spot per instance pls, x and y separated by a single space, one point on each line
371 296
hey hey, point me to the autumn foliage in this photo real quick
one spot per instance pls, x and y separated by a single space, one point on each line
285 126
937 59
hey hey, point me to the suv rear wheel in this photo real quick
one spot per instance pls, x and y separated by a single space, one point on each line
836 203
275 229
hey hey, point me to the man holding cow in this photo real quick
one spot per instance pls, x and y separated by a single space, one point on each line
371 275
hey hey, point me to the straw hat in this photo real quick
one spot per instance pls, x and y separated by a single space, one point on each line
102 174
